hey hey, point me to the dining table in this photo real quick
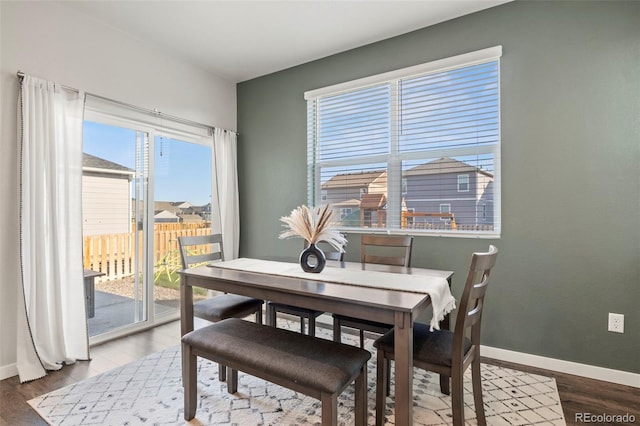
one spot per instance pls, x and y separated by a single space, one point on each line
390 294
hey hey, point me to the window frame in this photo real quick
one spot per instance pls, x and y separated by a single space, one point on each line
468 181
394 159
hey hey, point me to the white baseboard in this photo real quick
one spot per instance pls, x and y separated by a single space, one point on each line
7 371
584 370
590 371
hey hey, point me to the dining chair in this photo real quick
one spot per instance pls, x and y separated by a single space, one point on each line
309 315
203 249
445 352
382 250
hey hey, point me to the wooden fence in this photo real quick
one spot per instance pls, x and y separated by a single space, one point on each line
114 256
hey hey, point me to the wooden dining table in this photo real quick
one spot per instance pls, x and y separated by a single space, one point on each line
392 306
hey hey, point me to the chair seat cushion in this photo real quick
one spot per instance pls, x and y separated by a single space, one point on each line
368 325
295 310
226 306
277 353
434 347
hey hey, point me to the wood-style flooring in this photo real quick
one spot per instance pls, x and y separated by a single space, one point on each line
578 394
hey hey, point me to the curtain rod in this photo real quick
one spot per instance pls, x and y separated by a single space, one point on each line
154 111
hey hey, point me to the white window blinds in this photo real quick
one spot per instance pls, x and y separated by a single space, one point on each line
392 149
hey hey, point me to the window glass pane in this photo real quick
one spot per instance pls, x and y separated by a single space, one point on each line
182 207
354 124
433 183
451 109
357 194
114 169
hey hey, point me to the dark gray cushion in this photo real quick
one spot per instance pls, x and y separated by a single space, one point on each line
362 323
310 361
295 310
434 347
226 306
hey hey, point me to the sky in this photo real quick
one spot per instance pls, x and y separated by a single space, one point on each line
182 169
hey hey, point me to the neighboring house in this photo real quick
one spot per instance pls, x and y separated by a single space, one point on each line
191 218
169 206
450 186
106 195
434 193
373 210
203 211
165 216
345 191
181 211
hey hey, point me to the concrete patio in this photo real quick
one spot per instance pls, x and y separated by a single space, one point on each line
113 311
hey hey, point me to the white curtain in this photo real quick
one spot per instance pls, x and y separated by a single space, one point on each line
226 177
52 322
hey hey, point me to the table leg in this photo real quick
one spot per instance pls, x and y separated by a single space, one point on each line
186 306
403 351
445 324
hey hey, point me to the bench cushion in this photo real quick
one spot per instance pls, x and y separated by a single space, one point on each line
310 361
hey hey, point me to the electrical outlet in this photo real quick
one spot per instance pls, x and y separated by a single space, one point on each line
616 323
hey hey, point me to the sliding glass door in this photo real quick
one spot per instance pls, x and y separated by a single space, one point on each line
114 199
143 187
182 206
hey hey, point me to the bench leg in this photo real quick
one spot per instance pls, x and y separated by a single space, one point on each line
444 385
222 372
259 316
361 397
232 380
189 381
382 372
329 409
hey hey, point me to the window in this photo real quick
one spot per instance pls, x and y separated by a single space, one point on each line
463 183
404 143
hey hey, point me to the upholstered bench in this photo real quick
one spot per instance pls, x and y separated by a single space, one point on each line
315 367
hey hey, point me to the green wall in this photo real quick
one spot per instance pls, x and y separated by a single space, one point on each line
570 244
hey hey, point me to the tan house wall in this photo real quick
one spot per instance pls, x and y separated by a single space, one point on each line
105 205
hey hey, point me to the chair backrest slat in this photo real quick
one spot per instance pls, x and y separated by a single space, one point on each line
386 250
200 249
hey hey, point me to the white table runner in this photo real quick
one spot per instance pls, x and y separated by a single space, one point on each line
437 288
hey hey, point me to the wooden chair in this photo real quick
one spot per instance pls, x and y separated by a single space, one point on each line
445 352
382 250
194 251
303 313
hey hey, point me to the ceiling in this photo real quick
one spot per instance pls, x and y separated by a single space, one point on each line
240 40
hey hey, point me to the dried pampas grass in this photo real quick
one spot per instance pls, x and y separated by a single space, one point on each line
314 225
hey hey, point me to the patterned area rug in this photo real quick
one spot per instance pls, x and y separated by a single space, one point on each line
149 392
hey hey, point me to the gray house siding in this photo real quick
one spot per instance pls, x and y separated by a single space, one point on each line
426 194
